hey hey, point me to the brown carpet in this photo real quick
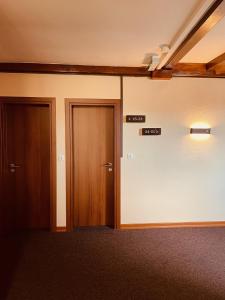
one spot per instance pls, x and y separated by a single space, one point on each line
122 265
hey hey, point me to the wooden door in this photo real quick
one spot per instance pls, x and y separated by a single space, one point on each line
93 165
26 167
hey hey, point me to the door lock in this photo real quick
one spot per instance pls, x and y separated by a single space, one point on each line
108 164
14 166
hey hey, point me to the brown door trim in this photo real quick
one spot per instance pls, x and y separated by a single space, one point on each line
116 104
52 106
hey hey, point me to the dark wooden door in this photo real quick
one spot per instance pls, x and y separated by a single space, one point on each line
26 167
93 169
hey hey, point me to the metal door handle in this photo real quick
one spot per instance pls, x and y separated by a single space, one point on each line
108 164
14 166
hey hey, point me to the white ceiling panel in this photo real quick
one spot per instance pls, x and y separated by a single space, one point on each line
95 32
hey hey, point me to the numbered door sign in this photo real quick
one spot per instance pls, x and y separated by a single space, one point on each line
151 131
135 119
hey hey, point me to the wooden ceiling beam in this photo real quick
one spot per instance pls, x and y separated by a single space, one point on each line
212 16
178 70
190 69
73 69
217 64
220 69
194 70
197 70
162 74
84 70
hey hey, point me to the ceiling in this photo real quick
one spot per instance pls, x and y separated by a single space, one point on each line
97 32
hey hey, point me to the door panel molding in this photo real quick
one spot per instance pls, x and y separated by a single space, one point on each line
69 104
51 102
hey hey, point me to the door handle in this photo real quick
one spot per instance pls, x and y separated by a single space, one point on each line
108 165
14 166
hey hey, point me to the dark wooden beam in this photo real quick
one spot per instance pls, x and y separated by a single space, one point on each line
220 69
178 70
190 69
197 70
85 70
212 16
73 69
217 64
162 74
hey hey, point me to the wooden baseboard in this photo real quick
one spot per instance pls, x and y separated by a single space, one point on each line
173 225
61 229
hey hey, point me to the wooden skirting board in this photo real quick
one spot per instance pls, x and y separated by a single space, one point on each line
173 225
163 225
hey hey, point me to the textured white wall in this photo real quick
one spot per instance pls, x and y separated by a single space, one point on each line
174 178
60 86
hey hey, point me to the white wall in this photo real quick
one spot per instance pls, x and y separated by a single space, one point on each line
60 86
172 178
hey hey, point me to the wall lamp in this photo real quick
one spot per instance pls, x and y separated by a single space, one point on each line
200 130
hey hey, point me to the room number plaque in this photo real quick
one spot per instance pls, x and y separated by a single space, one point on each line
151 131
135 119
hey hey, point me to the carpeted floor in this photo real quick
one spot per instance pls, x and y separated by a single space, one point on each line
92 264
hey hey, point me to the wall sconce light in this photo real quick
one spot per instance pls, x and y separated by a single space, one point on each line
200 130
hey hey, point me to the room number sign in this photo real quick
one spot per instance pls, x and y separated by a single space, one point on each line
151 131
135 119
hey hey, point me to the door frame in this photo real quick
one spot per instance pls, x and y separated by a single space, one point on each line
69 104
51 102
